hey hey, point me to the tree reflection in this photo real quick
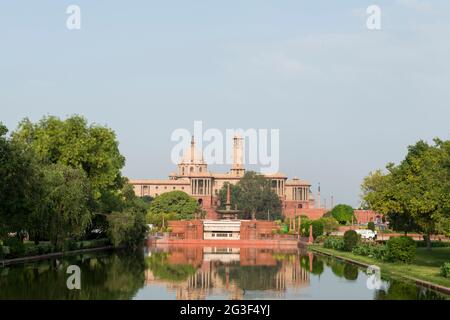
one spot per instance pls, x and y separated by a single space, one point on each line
405 290
103 276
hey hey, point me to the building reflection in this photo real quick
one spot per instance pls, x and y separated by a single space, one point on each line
195 272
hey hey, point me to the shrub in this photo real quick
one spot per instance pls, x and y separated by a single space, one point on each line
401 249
320 239
317 227
16 247
351 239
336 243
372 250
70 245
329 224
44 248
445 270
371 226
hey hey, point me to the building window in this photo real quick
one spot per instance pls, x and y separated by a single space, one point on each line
173 188
300 206
182 188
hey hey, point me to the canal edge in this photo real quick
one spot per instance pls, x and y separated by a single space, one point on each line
9 262
422 283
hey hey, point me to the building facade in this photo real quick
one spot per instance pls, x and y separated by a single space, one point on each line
194 178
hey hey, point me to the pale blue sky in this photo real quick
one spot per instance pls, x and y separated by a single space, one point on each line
346 100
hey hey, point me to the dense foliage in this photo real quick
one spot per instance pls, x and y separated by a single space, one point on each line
333 242
371 226
401 249
372 250
445 270
343 213
414 193
173 205
60 180
254 197
351 239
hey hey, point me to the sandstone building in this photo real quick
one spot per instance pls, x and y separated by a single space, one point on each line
194 178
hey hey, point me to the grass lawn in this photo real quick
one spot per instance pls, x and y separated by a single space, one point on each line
426 265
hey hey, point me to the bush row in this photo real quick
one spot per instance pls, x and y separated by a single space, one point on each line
402 249
14 248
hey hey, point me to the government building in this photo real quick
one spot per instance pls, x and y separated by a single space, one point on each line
194 178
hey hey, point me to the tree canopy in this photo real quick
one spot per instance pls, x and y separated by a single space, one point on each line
61 179
414 194
254 197
343 213
72 142
173 205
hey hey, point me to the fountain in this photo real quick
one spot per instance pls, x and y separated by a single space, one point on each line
228 213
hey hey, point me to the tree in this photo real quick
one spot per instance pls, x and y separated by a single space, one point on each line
414 194
127 227
379 194
342 213
174 205
329 224
254 197
19 185
72 142
65 204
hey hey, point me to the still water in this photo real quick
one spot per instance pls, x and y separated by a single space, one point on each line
197 272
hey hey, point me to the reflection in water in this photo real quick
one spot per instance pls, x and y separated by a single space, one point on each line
196 272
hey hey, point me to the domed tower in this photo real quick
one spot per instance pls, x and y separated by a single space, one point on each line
192 161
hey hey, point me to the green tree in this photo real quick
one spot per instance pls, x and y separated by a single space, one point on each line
127 227
173 205
65 204
254 197
126 224
414 194
329 224
72 142
19 185
343 213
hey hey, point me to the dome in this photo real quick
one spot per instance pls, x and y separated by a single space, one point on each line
187 157
191 155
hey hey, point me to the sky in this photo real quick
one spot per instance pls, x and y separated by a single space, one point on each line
347 100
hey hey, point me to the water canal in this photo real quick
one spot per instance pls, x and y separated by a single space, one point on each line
198 272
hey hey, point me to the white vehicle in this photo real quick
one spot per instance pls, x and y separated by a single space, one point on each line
367 234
